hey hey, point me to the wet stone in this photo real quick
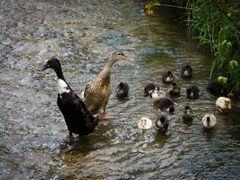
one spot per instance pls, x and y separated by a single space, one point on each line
4 48
46 34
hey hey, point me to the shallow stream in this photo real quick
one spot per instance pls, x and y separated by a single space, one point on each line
82 34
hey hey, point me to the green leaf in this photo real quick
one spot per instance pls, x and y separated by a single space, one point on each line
233 64
222 79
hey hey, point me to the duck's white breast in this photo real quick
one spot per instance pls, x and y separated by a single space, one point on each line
62 87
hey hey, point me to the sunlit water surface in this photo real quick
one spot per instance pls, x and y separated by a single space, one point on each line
82 34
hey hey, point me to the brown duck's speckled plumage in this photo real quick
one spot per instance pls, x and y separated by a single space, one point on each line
98 90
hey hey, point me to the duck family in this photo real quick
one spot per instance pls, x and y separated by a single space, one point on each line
79 112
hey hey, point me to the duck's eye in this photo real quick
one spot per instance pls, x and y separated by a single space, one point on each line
119 53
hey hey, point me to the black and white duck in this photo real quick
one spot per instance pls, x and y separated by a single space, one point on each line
148 89
193 92
186 71
122 90
162 123
157 94
209 121
167 77
98 90
77 117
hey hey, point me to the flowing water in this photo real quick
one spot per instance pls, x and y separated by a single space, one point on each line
82 34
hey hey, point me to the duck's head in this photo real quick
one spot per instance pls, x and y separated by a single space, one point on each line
187 68
53 63
169 73
122 85
119 55
187 110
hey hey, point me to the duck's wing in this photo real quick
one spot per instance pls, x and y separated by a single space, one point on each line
90 122
88 119
88 89
79 104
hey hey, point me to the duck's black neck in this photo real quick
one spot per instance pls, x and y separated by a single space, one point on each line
59 73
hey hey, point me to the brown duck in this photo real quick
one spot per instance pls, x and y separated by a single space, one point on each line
98 90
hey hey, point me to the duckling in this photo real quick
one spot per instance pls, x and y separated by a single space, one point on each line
148 89
166 103
223 104
175 91
167 77
187 113
157 94
193 92
162 123
77 117
218 89
122 90
186 71
209 121
145 123
98 90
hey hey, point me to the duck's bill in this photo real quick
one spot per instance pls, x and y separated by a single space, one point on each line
127 58
44 67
